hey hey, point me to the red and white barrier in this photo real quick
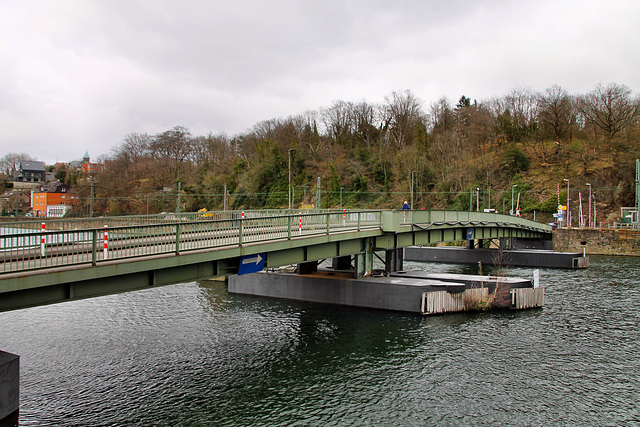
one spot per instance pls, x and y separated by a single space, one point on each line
42 240
106 241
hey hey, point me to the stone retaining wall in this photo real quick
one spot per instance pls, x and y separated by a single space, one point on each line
597 242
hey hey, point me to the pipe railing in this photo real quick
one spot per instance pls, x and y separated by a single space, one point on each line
23 249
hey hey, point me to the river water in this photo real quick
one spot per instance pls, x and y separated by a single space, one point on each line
193 355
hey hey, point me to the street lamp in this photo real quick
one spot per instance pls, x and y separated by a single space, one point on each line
589 205
289 187
412 172
568 214
341 197
477 199
512 187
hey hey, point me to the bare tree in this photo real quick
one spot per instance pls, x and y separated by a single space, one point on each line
404 112
173 147
556 112
441 116
369 123
338 122
610 109
10 162
213 153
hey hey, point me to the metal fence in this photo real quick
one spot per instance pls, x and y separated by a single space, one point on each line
23 246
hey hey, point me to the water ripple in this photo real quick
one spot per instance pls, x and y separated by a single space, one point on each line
193 355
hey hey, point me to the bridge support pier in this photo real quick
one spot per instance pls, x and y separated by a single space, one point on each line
393 260
308 267
9 388
342 263
364 260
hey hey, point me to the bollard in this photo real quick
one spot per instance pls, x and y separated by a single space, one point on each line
42 239
106 241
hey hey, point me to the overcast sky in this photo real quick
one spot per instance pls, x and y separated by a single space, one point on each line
79 75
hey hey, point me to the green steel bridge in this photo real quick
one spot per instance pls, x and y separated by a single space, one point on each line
60 260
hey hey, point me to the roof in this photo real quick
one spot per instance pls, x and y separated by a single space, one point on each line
32 166
54 187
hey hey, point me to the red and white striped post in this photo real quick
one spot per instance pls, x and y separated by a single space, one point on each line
344 217
106 241
242 217
42 238
300 222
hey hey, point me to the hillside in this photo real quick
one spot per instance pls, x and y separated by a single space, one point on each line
471 155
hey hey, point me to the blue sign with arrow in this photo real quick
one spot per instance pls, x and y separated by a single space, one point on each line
251 263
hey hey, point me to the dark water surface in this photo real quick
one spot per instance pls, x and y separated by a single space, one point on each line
193 355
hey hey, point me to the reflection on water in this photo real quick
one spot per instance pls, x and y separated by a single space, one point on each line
192 354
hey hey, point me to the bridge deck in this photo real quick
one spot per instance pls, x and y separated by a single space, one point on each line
79 259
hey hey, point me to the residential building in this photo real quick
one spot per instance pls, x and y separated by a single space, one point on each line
53 199
30 172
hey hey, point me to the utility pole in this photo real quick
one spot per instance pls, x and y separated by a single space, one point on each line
91 201
637 192
568 212
224 206
412 172
589 205
289 187
178 203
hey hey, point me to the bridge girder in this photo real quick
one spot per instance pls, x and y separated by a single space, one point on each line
20 290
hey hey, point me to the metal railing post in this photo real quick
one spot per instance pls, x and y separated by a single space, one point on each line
240 231
328 214
359 220
289 227
94 247
178 239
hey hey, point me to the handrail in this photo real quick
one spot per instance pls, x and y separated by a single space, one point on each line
24 250
57 245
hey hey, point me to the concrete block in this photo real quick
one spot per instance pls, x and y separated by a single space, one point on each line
9 387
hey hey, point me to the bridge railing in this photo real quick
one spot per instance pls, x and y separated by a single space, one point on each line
469 218
34 224
23 249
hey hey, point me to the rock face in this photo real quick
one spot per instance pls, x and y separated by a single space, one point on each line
597 242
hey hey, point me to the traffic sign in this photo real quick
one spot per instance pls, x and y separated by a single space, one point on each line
251 263
469 233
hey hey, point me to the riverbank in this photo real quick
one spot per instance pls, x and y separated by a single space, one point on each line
597 242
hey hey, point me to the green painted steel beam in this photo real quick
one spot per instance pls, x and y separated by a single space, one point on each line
38 287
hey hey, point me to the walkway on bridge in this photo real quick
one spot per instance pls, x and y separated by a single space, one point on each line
53 261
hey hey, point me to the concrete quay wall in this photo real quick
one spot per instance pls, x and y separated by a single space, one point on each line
597 242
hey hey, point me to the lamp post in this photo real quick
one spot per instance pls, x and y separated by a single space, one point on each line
568 213
341 197
412 172
589 205
477 199
512 187
489 199
289 187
